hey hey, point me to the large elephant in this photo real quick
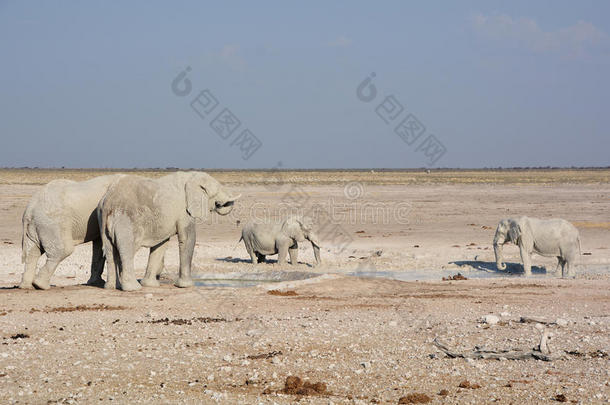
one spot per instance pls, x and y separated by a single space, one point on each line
58 217
279 238
547 237
140 212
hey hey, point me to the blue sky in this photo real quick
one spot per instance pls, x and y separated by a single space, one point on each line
89 84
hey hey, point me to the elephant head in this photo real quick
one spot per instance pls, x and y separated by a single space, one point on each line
202 190
509 230
301 228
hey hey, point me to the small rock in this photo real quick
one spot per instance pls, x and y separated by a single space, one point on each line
561 322
365 364
149 295
227 358
490 319
504 314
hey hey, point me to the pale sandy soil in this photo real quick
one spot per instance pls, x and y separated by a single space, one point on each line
367 339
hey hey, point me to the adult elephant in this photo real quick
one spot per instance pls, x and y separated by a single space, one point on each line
140 212
59 217
547 237
280 238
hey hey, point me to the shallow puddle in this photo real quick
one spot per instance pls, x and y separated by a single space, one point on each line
249 279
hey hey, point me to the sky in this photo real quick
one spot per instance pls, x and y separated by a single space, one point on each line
236 84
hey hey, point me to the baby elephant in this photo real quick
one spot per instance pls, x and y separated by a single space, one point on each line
282 238
547 237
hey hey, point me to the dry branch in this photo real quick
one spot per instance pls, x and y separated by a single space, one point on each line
541 352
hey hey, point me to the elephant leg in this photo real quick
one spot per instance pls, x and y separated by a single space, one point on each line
155 265
252 253
43 279
186 245
293 251
260 257
113 262
567 270
527 264
31 260
124 243
282 250
97 264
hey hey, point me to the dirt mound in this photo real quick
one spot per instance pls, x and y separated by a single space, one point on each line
415 398
296 386
468 384
289 293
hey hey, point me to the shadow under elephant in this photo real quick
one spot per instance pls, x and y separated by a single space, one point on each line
511 268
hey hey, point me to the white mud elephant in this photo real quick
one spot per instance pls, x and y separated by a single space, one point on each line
279 238
140 212
547 237
59 217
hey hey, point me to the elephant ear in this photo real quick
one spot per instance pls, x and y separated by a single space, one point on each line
526 236
292 228
196 197
514 232
306 224
313 238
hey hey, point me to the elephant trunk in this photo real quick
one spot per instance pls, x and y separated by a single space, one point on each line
315 244
499 258
225 203
316 253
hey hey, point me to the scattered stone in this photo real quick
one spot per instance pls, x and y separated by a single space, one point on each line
443 392
490 319
561 322
265 355
456 277
20 336
560 398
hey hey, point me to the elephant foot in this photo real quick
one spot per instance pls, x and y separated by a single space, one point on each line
109 286
25 286
96 282
41 284
184 282
131 285
150 282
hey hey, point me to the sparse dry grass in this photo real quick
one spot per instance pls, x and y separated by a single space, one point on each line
592 225
520 176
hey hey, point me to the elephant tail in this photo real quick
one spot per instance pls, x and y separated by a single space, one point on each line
579 249
29 237
238 242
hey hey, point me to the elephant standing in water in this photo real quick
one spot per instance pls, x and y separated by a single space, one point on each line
280 239
140 212
59 217
547 237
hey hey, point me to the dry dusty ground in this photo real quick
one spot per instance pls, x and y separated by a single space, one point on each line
367 339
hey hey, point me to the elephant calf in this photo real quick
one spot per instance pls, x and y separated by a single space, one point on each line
547 237
58 217
280 239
